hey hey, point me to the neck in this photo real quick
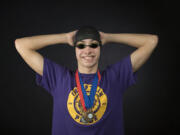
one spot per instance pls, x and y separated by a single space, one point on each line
86 70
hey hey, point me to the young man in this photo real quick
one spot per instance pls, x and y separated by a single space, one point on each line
87 102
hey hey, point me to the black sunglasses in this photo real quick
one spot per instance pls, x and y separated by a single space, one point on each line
82 46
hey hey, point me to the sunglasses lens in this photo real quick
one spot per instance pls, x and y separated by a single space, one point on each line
94 45
80 46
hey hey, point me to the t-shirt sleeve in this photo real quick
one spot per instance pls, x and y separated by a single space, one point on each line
123 72
51 73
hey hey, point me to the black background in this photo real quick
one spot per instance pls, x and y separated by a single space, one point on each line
149 106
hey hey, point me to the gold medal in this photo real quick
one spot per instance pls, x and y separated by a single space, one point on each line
87 116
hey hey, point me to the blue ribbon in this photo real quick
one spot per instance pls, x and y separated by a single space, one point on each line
89 100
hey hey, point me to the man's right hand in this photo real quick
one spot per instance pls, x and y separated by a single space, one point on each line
70 36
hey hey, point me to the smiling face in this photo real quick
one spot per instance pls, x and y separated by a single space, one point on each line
87 58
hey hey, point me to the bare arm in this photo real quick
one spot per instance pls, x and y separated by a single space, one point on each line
145 43
27 47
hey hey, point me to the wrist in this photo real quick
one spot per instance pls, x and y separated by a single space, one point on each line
108 37
66 37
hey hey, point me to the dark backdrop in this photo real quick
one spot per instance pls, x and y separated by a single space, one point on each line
26 109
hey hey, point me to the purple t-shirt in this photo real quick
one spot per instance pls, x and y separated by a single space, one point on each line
59 81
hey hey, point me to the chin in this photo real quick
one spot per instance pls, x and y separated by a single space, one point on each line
89 65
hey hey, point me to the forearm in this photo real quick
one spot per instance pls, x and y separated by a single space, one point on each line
41 41
134 40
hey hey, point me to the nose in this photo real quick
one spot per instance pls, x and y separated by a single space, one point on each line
88 49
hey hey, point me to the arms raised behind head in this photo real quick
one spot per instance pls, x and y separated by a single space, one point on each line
27 47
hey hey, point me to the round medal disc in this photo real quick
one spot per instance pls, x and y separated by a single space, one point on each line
88 116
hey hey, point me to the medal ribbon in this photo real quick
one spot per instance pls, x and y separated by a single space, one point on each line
87 101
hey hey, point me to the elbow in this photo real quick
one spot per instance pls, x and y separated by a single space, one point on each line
18 41
21 43
153 40
17 44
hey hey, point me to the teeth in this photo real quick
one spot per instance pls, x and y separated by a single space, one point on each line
88 57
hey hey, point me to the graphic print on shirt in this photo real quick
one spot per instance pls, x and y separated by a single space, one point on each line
74 105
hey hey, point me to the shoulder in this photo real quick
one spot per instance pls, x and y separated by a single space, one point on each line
54 66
